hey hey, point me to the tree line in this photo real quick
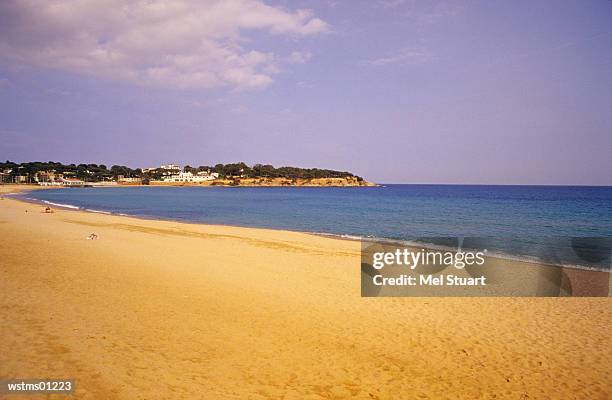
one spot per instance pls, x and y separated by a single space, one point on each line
100 172
241 169
86 172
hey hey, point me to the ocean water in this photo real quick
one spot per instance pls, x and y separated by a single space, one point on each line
540 222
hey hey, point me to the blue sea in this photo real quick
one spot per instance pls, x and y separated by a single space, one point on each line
535 222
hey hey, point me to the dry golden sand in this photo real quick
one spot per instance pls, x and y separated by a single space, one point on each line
164 310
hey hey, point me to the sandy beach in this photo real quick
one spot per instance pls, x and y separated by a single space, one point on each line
167 310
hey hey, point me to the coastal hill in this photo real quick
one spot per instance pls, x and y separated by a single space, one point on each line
235 174
266 181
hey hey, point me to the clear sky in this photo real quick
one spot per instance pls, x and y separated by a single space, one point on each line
508 92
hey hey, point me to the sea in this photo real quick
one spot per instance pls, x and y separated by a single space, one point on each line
563 225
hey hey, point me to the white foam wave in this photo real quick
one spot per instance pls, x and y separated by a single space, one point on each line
97 211
494 254
61 205
352 237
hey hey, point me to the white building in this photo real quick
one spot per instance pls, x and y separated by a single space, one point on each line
50 183
123 179
207 175
169 168
185 177
72 182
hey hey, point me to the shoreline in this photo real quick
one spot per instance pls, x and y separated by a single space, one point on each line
525 259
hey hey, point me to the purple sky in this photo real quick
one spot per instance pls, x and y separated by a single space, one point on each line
508 92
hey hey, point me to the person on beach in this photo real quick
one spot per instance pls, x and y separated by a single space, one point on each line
48 210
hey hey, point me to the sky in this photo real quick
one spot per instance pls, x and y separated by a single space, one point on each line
471 92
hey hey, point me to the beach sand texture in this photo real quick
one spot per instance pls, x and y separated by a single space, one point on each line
166 310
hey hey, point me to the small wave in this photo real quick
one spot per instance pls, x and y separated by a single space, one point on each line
352 237
539 260
489 253
336 235
97 211
61 205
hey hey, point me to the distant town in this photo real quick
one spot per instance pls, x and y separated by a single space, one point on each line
236 174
